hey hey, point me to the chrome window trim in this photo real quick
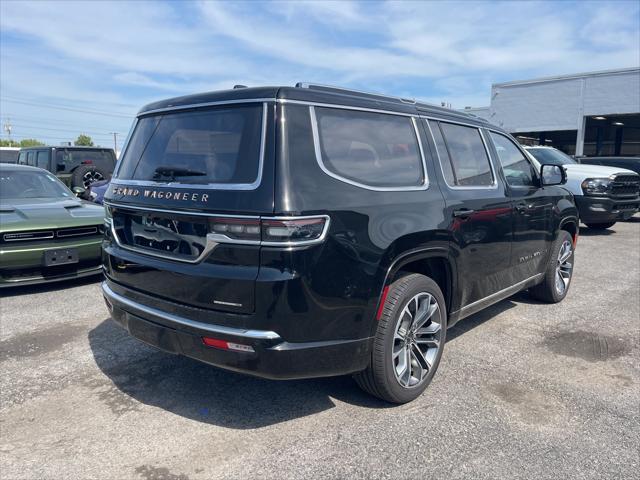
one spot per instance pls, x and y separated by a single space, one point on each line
204 105
323 167
493 186
113 297
286 101
217 186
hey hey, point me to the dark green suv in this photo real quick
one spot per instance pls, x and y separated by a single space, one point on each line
75 166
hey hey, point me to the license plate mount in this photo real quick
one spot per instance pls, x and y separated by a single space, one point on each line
60 256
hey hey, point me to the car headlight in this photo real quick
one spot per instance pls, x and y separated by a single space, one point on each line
596 186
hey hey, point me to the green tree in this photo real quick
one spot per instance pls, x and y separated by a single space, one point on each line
8 143
30 142
83 141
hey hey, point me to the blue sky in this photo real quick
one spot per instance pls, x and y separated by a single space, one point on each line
74 67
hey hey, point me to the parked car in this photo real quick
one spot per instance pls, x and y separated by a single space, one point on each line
604 195
630 163
95 192
9 154
75 166
46 233
310 231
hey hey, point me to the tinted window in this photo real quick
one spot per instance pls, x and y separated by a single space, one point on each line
31 159
517 169
22 158
9 156
374 149
219 145
31 184
468 156
42 160
68 159
443 154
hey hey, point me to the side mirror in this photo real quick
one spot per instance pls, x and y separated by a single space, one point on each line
552 175
78 191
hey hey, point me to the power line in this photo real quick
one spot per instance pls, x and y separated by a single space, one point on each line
76 101
71 109
47 121
36 127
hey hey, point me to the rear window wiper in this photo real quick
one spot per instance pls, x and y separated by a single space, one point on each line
172 172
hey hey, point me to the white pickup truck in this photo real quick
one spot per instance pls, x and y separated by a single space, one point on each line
603 195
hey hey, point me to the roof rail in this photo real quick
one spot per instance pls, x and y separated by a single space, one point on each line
317 86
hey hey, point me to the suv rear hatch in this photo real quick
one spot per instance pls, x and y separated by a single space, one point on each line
184 176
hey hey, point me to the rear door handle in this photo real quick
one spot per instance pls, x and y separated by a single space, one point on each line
463 213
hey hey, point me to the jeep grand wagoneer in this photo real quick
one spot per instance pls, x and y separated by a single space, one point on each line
293 232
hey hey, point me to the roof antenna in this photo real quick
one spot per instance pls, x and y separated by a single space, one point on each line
235 87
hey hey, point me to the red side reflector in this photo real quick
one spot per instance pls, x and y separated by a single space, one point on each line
214 342
575 240
224 345
383 299
87 162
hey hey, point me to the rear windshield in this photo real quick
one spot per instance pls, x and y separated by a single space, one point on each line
16 184
73 158
213 146
551 156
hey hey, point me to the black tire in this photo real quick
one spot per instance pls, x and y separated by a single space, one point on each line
548 291
380 378
87 173
600 226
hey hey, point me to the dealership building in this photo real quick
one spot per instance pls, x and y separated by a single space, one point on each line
591 114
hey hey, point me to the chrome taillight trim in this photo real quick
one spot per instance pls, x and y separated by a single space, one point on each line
215 239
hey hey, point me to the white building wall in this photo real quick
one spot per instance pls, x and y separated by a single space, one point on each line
561 103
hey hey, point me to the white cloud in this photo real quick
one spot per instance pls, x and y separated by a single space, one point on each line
122 55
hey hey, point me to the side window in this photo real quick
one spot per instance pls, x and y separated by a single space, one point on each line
42 160
31 159
517 169
22 158
469 162
369 149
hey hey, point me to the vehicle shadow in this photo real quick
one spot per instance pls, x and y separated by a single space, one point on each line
49 287
591 232
477 319
207 394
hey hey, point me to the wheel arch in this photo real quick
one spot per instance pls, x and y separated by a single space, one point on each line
433 262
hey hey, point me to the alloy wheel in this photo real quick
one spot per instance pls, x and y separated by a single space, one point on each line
90 177
564 267
416 340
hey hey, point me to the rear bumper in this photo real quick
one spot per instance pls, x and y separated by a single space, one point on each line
272 356
603 210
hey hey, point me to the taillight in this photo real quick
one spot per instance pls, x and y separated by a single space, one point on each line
278 231
236 228
294 230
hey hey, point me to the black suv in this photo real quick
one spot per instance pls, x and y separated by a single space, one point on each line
75 166
306 231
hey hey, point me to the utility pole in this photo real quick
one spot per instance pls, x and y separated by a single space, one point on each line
115 141
8 127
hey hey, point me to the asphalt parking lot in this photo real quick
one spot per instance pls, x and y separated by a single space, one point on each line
524 390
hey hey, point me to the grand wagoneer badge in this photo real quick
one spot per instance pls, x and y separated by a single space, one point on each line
160 194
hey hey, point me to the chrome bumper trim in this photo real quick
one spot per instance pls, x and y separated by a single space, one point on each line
118 300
